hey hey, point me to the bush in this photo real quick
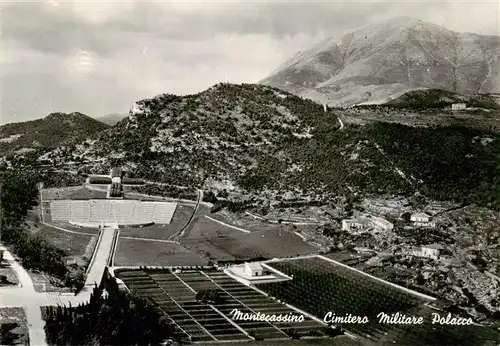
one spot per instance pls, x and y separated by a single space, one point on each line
133 181
209 197
99 180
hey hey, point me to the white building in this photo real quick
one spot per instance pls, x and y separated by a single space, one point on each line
252 273
380 223
458 106
422 220
352 225
430 251
420 217
253 269
366 222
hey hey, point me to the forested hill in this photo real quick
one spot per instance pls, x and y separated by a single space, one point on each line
260 139
54 130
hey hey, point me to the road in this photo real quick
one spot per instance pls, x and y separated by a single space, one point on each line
24 296
341 123
175 237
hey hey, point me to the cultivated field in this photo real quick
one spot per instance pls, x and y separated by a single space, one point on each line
175 294
319 286
135 252
179 220
341 340
224 243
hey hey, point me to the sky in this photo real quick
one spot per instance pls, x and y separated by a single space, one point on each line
99 57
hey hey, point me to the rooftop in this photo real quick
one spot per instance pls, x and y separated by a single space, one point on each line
253 265
433 246
420 215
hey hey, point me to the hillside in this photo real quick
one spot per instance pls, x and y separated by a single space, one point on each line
54 130
262 141
439 99
390 58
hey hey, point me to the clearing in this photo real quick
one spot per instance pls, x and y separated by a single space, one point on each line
223 243
135 252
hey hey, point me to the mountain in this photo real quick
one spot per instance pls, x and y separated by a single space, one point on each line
112 119
390 58
54 130
262 141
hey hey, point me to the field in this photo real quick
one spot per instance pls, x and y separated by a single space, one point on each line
340 290
344 291
223 243
179 220
74 244
247 222
79 192
175 294
77 229
128 194
341 340
134 252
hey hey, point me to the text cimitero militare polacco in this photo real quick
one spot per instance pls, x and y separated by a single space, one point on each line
330 317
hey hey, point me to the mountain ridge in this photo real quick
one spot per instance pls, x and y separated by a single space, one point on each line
54 130
262 141
380 60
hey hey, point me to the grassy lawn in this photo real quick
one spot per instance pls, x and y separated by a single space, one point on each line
179 220
20 332
59 193
77 229
223 242
132 252
74 244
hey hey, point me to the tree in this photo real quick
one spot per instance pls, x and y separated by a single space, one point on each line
406 216
7 336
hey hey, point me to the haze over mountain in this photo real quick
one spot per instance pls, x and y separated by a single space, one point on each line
382 61
112 119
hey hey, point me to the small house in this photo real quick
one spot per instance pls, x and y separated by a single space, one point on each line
422 220
420 217
253 269
458 106
432 250
352 224
381 224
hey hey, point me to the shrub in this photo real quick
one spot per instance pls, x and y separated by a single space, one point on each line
99 180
